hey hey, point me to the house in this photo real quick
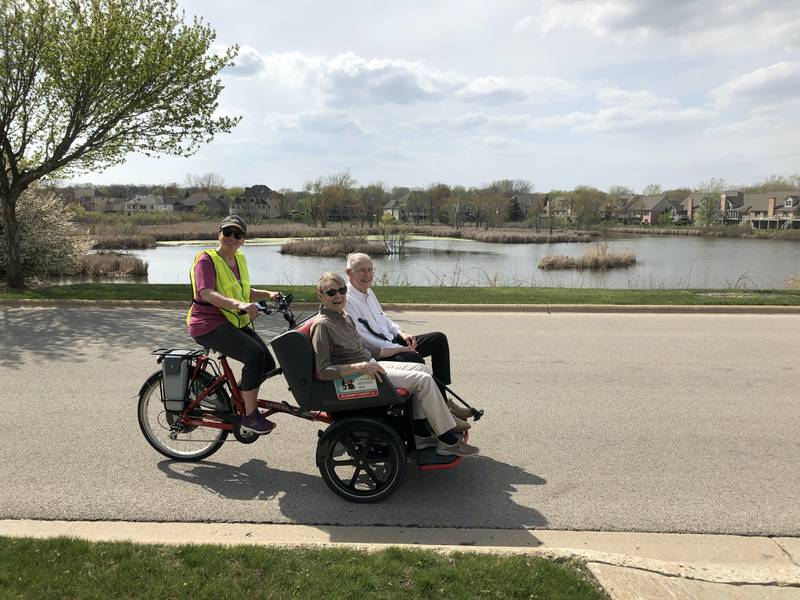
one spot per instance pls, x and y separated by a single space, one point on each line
615 207
529 203
772 210
647 209
413 206
213 204
559 206
150 203
258 202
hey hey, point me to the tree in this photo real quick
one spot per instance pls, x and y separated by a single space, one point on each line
586 203
207 182
48 244
372 199
85 82
438 194
336 196
708 213
653 189
620 190
457 206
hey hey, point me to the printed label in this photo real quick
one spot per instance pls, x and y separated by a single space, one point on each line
356 386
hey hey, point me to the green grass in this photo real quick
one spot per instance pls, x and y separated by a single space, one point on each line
437 295
75 569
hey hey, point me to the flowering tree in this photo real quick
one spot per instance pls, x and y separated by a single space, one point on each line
47 241
85 82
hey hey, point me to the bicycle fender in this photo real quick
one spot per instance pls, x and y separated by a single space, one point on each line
149 382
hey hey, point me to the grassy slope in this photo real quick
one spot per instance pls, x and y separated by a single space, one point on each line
440 295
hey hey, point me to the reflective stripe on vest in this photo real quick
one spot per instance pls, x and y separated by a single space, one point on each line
226 284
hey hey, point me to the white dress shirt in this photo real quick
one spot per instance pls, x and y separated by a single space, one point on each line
367 307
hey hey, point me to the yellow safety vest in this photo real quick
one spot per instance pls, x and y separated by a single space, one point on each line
226 284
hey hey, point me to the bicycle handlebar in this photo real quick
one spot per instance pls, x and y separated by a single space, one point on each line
281 305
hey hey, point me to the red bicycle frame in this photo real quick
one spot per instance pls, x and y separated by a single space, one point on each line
226 378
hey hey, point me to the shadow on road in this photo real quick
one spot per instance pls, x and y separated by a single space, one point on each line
478 494
67 334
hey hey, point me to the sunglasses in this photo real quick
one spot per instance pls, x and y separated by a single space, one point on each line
334 291
232 231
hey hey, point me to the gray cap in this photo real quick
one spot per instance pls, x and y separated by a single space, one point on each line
234 221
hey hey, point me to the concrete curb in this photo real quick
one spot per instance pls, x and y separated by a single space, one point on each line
514 308
712 559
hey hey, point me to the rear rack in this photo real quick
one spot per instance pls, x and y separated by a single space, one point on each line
178 352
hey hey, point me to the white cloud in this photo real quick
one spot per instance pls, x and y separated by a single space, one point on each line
637 98
626 21
350 80
765 86
325 122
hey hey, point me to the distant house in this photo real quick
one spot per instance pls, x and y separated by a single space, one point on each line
412 206
772 210
215 204
530 203
258 202
140 204
647 209
559 206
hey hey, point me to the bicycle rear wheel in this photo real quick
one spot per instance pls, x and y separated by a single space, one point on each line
180 443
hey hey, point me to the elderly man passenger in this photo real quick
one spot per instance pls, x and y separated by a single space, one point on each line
378 329
339 351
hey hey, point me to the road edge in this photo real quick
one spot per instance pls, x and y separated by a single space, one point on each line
528 308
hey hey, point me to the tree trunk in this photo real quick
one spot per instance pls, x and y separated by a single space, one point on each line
16 280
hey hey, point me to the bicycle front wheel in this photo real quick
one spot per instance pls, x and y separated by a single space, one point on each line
158 424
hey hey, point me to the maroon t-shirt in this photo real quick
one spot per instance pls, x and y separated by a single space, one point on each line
205 319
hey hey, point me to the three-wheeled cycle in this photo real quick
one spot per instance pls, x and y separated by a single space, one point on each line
188 408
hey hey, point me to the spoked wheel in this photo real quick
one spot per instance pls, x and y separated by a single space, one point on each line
161 429
361 459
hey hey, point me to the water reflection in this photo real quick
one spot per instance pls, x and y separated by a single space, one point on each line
664 262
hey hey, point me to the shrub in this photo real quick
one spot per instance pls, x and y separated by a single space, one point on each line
49 245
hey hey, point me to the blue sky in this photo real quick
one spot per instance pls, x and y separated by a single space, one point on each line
558 92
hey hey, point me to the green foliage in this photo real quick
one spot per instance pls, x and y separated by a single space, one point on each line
708 213
85 82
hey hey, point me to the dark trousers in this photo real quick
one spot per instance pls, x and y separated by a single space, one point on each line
434 345
244 345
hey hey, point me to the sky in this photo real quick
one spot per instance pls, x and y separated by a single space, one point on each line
557 92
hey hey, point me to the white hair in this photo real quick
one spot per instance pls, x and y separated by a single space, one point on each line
356 257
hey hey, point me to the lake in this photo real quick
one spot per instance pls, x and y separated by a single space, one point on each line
664 262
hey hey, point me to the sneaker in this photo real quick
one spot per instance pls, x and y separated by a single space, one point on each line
256 423
422 442
460 448
462 412
461 425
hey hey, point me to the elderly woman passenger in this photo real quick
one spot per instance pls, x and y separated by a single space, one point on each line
340 351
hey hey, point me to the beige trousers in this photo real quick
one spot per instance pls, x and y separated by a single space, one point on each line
426 399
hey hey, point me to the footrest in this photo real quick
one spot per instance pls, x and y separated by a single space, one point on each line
428 460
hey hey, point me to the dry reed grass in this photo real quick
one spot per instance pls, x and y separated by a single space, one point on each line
596 257
337 246
507 235
124 242
113 264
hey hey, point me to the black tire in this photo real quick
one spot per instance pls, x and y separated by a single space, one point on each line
190 443
361 459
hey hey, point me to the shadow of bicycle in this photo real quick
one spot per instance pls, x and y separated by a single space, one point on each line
478 494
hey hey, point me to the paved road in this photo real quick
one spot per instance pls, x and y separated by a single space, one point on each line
681 423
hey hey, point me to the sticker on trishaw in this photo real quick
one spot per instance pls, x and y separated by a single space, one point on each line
355 386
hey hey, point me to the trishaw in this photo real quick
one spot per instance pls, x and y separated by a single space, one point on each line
189 406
